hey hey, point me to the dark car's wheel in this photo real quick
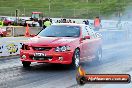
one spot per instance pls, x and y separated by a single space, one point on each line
76 59
26 64
98 55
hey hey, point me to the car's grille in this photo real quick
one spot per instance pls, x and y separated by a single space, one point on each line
42 48
40 57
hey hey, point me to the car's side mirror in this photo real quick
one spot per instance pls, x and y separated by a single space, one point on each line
87 37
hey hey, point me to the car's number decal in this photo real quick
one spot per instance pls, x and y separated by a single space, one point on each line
39 54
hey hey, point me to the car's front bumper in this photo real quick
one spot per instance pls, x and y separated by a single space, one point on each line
51 57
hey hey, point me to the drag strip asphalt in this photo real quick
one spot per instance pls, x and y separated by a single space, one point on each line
117 58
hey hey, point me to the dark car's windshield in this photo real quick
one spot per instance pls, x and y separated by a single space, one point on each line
60 31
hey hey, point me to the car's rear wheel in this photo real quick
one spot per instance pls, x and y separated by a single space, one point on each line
26 64
76 59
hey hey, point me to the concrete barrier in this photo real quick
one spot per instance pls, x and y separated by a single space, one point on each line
20 31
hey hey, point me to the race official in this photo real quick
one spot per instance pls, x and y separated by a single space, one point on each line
97 24
1 23
47 23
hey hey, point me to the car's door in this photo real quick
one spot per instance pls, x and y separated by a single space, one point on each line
93 42
84 42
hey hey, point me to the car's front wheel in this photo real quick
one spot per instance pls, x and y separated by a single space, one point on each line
76 59
26 64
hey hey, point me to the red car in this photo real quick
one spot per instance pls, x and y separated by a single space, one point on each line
8 20
64 43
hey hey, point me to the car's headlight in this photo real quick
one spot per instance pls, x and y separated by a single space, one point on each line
62 48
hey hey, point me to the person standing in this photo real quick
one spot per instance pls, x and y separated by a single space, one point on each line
40 21
1 23
97 24
64 21
86 22
47 23
74 22
70 21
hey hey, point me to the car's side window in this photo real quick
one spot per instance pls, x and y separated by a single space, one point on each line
84 32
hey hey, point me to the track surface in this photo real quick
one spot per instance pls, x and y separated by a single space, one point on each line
117 58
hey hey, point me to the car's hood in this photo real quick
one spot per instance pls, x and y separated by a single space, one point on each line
51 41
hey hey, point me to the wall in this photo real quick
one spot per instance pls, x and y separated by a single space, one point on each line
20 31
11 45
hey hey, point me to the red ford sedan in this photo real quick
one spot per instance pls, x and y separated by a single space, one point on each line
62 44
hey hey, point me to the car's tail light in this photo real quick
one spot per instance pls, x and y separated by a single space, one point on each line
25 47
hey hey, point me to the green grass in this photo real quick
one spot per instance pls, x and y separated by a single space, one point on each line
64 8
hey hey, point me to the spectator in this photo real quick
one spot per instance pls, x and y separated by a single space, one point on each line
67 21
87 22
84 22
61 21
70 21
64 21
57 21
40 22
51 20
74 22
1 23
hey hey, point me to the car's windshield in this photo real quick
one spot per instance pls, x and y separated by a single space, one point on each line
35 15
9 18
60 31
